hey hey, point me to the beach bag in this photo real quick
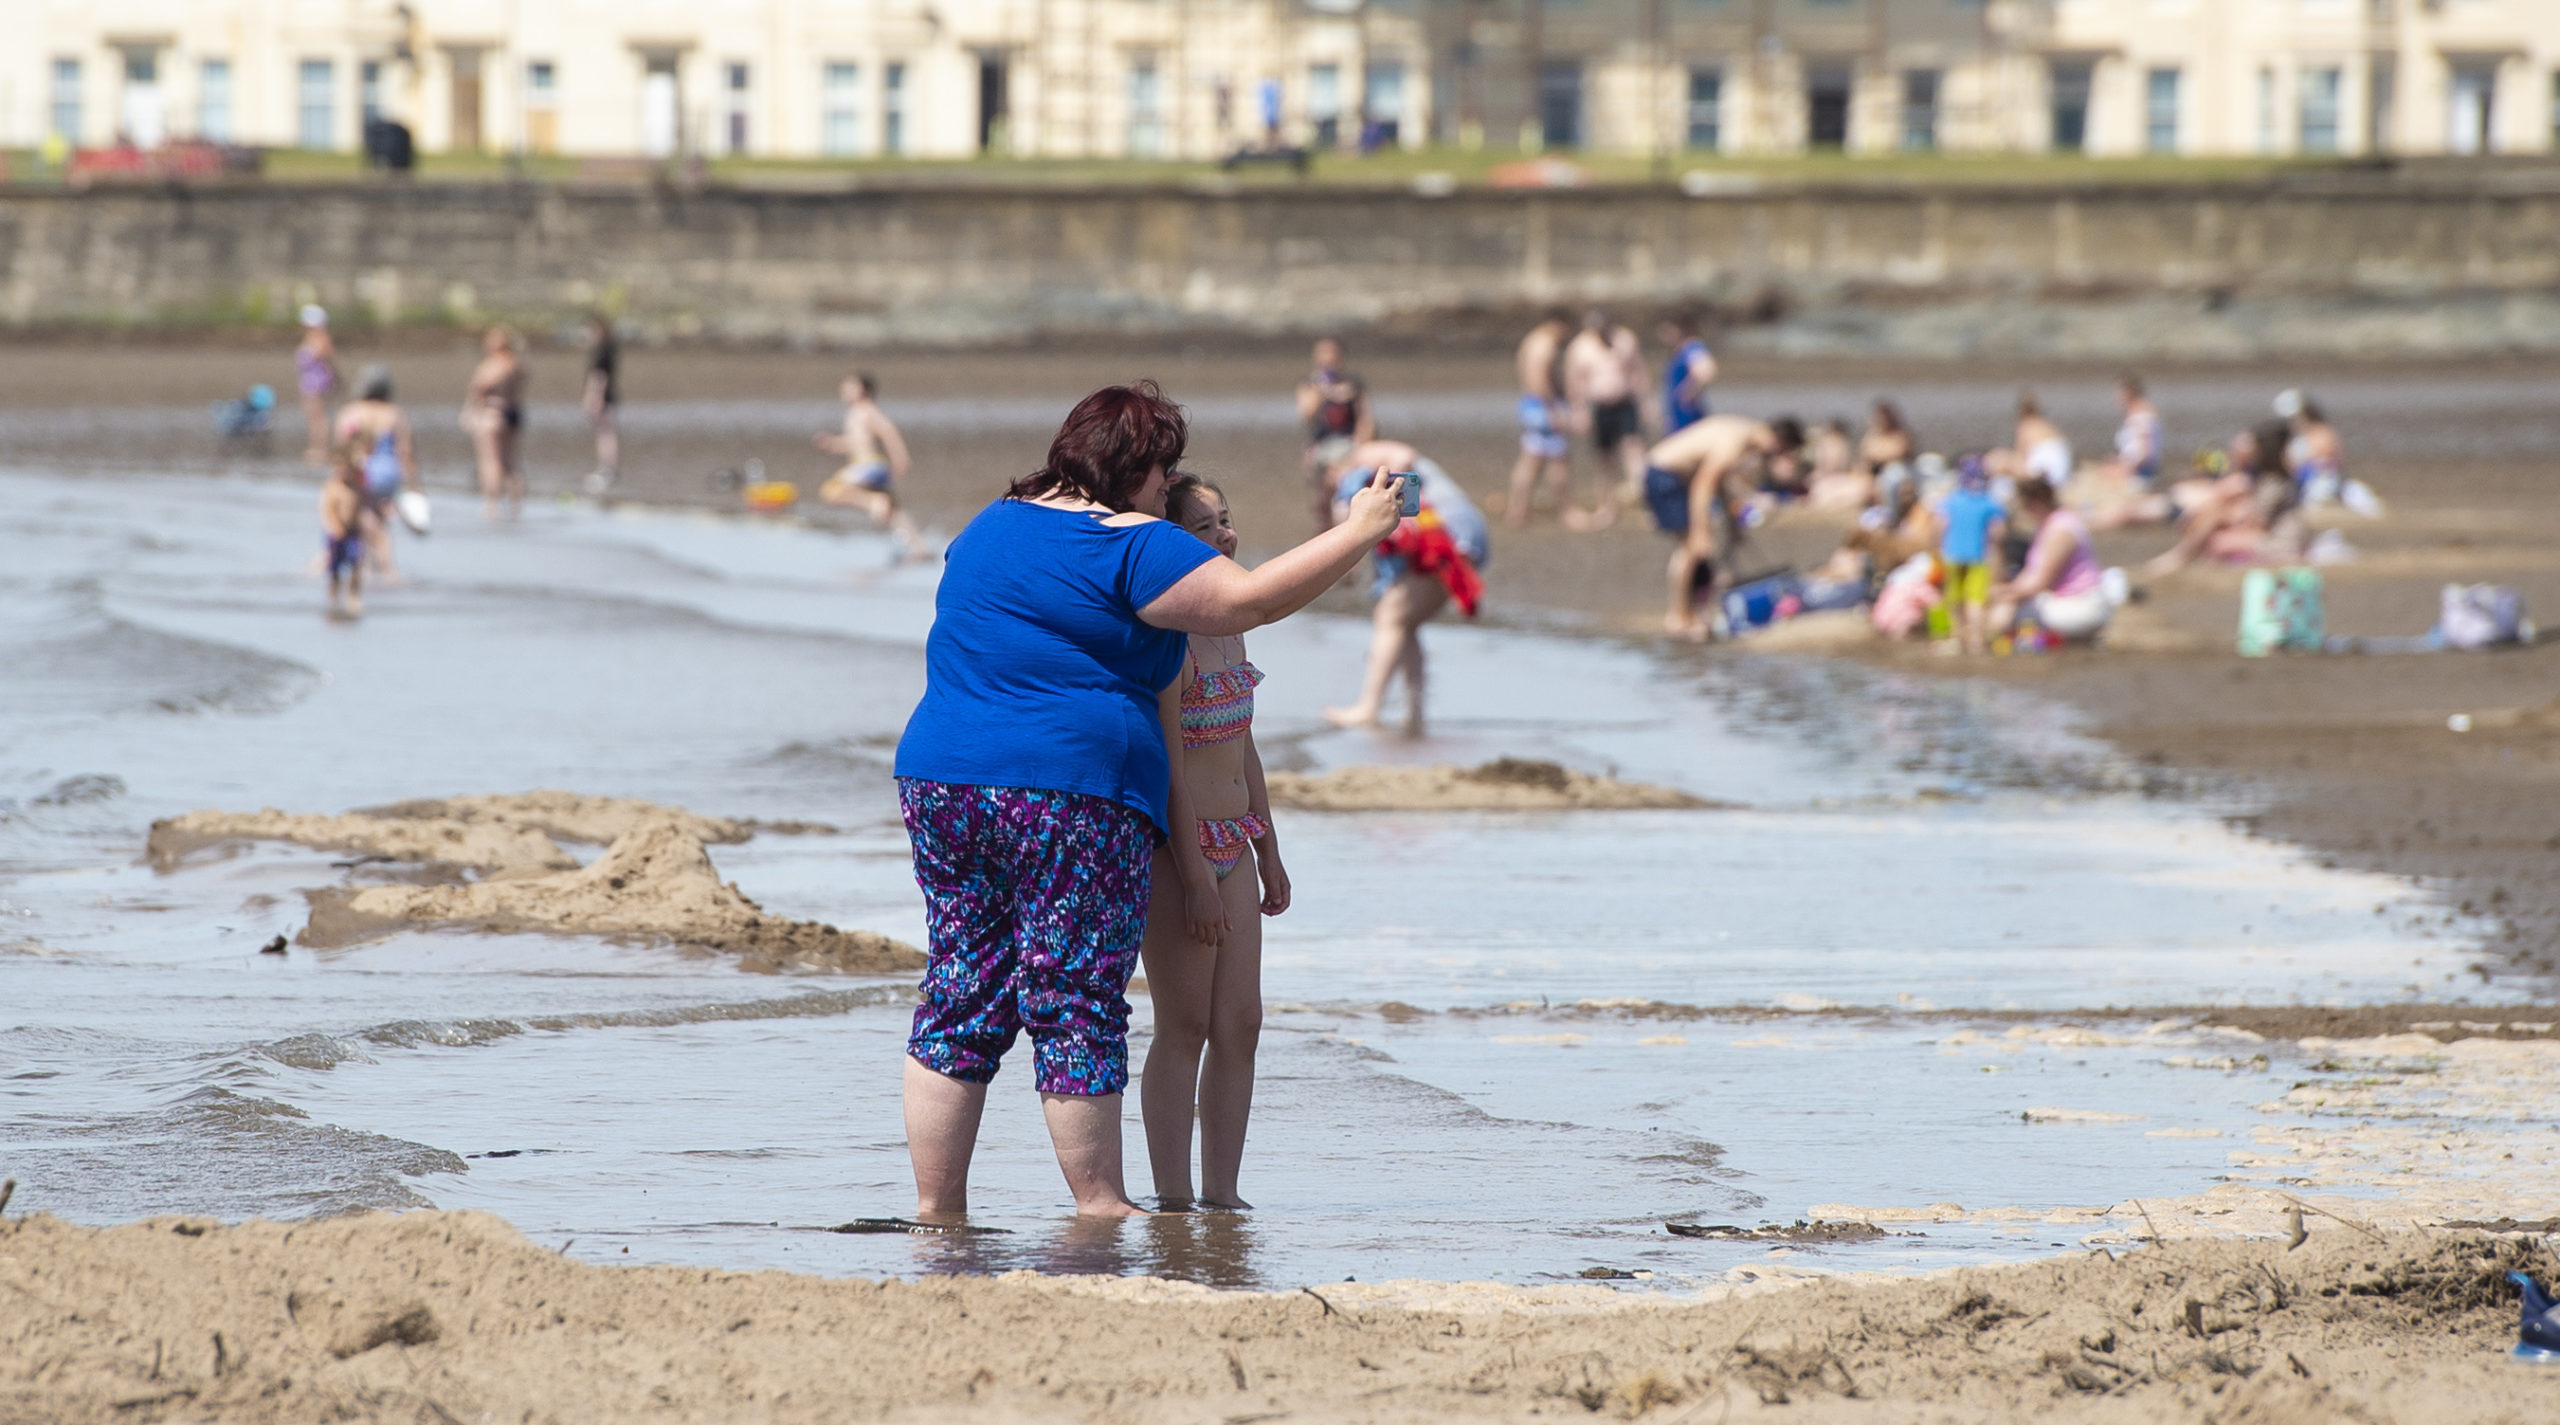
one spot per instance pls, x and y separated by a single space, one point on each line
2280 610
2480 616
1762 602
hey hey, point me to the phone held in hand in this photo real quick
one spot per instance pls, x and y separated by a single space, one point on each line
1408 494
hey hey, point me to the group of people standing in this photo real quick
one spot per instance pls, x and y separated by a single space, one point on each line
1082 793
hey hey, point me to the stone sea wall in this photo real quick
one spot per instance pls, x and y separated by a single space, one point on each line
2339 264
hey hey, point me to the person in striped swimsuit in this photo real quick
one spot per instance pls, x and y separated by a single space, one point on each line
1208 998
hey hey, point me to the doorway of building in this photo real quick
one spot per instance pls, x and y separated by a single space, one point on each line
2070 106
659 106
465 90
1560 103
1826 105
142 117
2474 99
995 111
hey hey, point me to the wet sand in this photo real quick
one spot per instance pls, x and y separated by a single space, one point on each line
453 1316
2350 756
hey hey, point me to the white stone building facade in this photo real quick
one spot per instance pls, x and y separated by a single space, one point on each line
815 79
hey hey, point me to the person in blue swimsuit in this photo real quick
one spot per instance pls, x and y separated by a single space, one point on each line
1686 376
375 421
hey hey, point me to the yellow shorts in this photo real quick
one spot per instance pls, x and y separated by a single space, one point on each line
1968 583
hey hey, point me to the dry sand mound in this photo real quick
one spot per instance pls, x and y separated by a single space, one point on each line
493 847
655 880
655 883
1506 784
566 816
453 1316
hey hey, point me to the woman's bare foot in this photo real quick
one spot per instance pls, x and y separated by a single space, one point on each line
1121 1208
1352 717
1227 1203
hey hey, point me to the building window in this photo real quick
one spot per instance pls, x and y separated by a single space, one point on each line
1827 89
2555 109
1560 103
893 108
1382 106
213 101
369 91
1324 103
661 105
542 106
2475 101
2266 111
317 104
1920 110
66 99
1706 109
142 121
735 84
2319 100
1146 112
2070 107
2160 111
840 109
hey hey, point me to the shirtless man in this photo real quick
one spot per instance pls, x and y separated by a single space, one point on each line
875 459
1546 457
1686 376
1333 405
493 414
1693 482
1604 379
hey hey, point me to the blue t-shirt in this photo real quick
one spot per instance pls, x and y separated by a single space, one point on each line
1679 409
1969 515
1038 672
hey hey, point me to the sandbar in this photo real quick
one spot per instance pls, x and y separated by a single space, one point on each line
1504 784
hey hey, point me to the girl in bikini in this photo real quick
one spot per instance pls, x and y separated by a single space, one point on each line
1208 999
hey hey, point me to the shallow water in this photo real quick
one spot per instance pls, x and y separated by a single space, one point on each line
1506 1046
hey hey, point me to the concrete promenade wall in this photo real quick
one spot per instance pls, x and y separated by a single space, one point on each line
2341 264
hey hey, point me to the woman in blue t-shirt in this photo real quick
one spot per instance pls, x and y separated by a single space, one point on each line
1036 777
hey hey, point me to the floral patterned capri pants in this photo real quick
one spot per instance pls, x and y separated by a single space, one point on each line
1035 903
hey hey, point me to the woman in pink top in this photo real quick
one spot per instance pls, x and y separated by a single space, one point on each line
2059 583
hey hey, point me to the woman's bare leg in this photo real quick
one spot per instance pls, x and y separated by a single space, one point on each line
1426 599
1180 976
1391 627
1085 1129
511 468
492 468
942 1135
1235 1033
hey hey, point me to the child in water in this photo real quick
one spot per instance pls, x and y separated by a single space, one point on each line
1208 998
342 502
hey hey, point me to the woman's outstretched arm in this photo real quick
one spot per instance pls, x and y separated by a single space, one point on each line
1223 597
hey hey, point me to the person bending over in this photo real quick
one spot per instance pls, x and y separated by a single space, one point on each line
1429 561
1695 483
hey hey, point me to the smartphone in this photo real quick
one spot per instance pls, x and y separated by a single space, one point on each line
1408 494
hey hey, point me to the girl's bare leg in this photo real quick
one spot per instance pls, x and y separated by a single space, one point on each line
315 421
1428 597
1235 1032
1181 974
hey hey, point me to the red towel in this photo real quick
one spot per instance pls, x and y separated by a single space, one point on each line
1424 543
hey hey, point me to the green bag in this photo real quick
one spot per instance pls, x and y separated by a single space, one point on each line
2280 610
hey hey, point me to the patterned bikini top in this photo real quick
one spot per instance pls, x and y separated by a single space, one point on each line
1217 706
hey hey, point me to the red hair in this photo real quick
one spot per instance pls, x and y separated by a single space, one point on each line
1109 444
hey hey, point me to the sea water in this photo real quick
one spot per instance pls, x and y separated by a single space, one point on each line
1503 1046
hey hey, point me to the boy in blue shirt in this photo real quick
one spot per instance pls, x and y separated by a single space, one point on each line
1974 526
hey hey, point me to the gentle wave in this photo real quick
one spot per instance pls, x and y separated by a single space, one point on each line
327 1051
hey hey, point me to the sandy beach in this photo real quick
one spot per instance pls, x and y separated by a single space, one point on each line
2408 1123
